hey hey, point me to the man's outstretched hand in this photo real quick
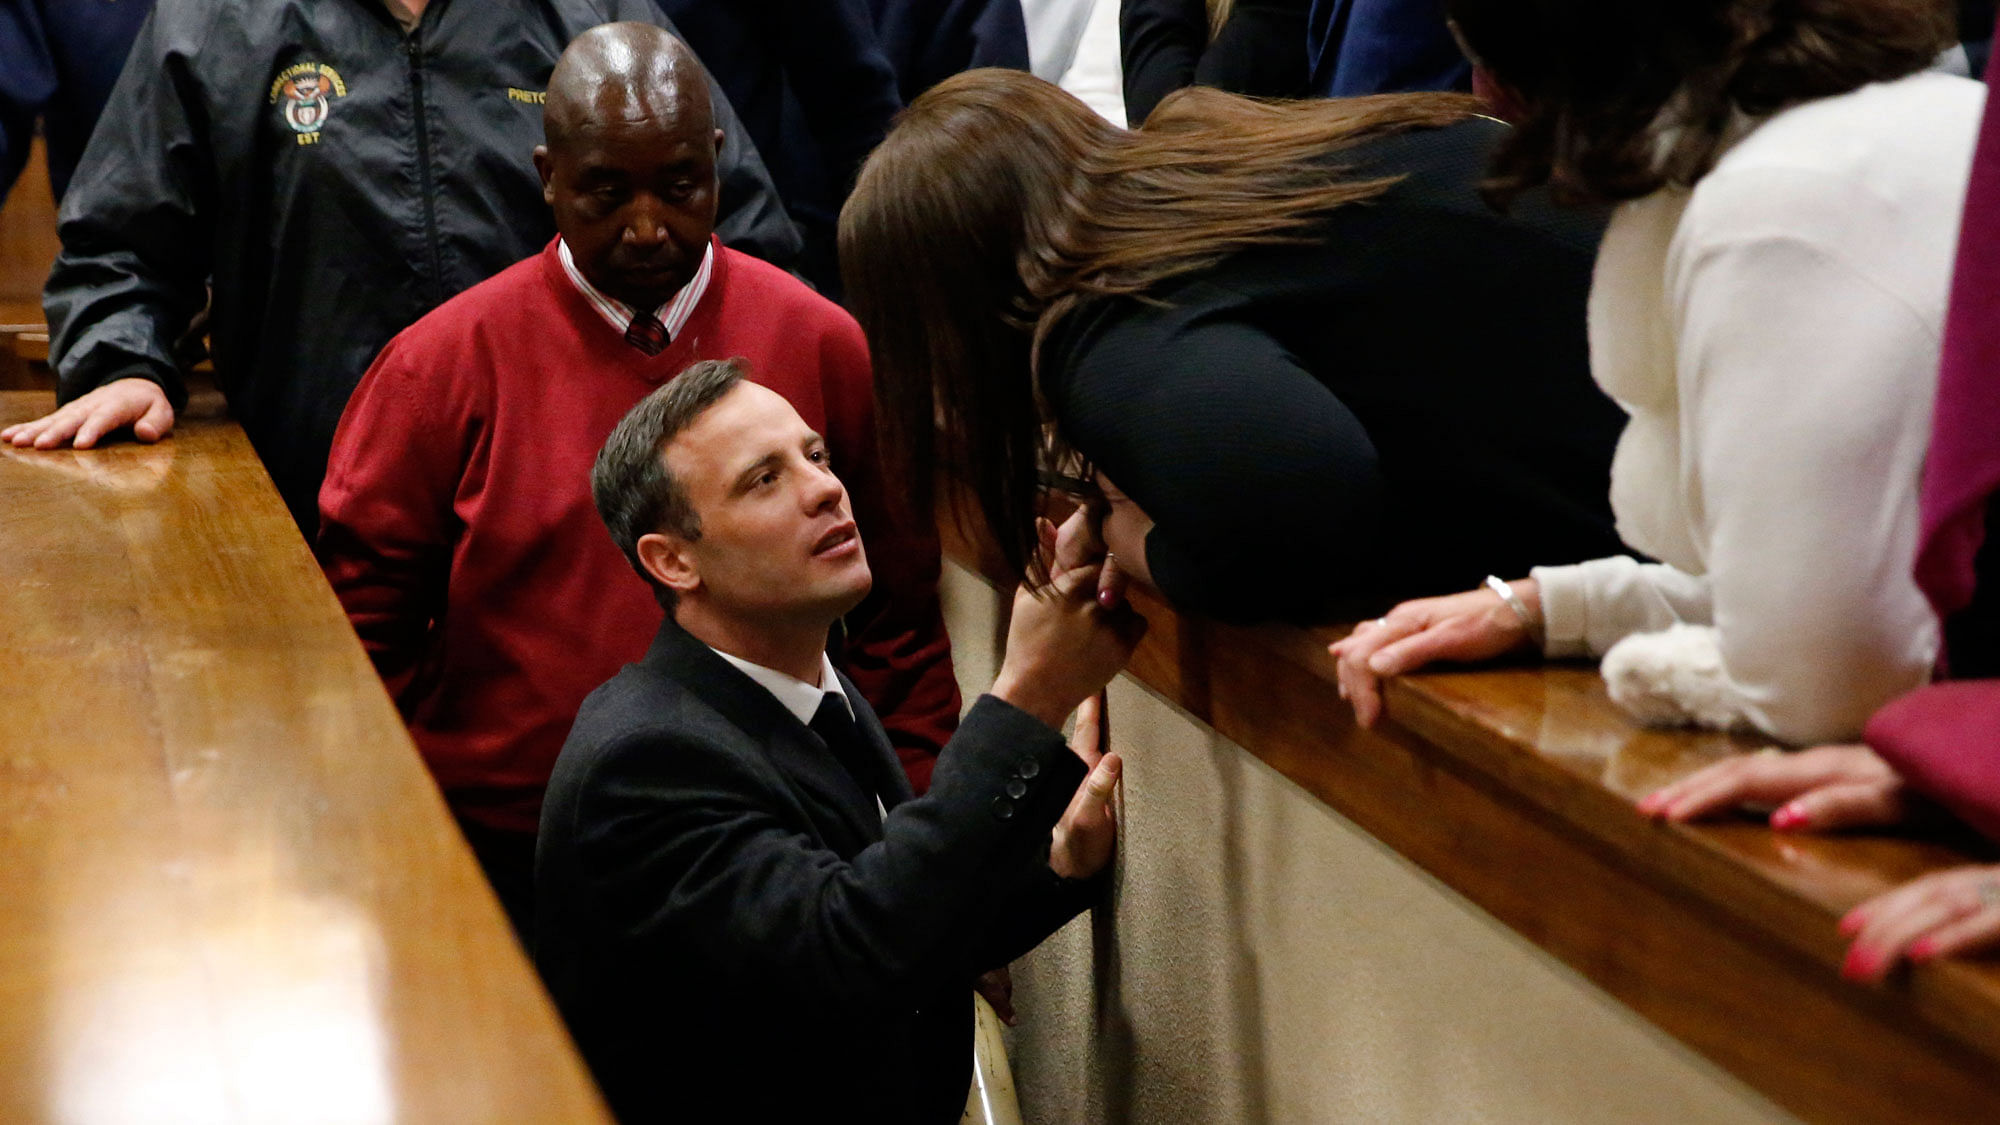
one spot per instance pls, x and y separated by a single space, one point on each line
1087 835
136 403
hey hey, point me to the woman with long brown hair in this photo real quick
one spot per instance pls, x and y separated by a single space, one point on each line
1315 370
1768 305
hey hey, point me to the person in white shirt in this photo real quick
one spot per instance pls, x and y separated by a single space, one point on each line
1767 306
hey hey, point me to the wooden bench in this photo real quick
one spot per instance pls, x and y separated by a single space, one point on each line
27 247
1514 786
229 890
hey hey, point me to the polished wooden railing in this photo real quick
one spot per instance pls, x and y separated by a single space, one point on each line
1515 786
229 890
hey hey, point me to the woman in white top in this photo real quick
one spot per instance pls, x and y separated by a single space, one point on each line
1767 306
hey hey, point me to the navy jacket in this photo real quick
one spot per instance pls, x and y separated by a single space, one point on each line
337 179
928 41
1359 47
814 91
734 933
60 60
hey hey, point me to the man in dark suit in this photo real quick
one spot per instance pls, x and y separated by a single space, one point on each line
742 912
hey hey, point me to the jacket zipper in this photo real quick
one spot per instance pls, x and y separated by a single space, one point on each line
425 182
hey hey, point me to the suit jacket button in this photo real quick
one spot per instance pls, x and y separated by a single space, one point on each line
1017 789
1028 768
1003 809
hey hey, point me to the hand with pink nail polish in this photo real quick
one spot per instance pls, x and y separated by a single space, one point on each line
1941 914
1818 790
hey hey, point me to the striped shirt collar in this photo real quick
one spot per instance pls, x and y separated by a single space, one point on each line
674 314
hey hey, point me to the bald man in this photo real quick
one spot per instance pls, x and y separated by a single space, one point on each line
457 523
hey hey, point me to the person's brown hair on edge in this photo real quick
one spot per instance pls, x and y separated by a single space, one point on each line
1618 99
999 203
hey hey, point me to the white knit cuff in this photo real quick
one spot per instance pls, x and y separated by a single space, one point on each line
1564 612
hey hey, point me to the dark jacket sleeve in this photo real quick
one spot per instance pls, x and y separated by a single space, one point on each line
1040 904
1160 42
137 223
678 834
27 82
751 217
1260 51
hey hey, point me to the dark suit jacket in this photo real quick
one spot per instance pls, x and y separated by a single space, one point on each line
733 932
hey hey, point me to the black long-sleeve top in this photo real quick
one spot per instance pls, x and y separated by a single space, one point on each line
1396 408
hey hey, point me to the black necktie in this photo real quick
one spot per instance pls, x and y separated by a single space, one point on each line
842 736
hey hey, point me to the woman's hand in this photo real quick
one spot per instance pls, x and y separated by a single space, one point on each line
1080 542
1124 527
1475 625
1814 790
1940 914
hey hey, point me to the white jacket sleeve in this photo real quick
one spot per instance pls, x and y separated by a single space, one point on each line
1805 396
1591 606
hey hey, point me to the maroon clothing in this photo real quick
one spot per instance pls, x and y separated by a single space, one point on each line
1962 467
1945 741
458 530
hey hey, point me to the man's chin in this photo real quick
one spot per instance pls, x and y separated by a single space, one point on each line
855 593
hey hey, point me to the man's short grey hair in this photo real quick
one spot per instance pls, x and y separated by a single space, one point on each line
635 492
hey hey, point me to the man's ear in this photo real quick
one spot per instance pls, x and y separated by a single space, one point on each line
670 560
718 142
545 168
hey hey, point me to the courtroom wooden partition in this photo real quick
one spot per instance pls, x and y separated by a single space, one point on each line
229 890
1514 786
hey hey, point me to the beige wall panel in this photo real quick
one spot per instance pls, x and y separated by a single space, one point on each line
1266 961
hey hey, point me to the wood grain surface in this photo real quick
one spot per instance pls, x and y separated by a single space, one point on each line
28 241
229 890
1514 785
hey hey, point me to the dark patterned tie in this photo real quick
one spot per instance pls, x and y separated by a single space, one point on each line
843 737
647 334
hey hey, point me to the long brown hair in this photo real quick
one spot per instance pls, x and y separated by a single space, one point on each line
1619 98
999 203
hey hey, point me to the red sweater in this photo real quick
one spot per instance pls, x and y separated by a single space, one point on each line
457 528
